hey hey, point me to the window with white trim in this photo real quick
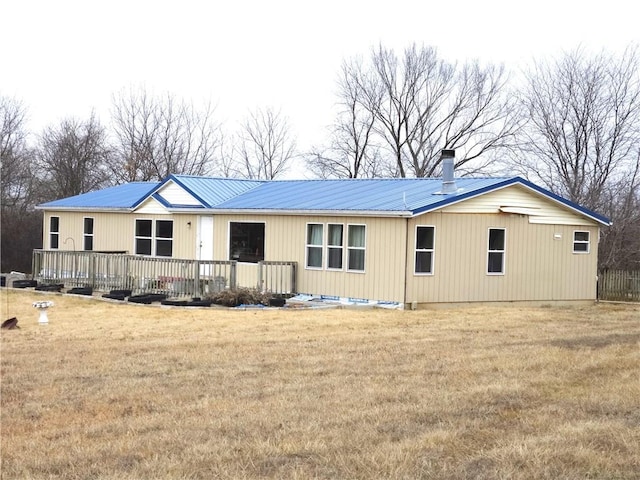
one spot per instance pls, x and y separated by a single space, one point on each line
164 238
154 238
425 245
143 237
87 233
356 245
581 242
54 233
246 241
314 245
335 246
496 251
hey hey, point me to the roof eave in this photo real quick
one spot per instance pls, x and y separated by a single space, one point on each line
262 211
85 209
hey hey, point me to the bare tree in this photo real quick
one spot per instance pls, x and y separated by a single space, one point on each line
584 123
20 224
265 145
620 243
582 140
17 179
420 104
73 158
158 136
352 152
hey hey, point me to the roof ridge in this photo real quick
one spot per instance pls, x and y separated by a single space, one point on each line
391 179
205 177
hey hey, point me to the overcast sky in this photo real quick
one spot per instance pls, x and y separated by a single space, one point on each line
64 58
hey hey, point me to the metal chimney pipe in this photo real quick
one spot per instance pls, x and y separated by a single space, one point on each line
448 175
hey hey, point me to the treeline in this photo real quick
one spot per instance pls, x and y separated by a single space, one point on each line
570 124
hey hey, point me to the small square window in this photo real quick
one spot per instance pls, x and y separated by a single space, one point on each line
143 228
143 246
581 242
164 228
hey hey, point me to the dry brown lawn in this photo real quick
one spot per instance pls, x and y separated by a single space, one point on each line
117 391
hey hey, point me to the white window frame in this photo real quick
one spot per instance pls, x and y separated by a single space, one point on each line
586 242
335 247
136 237
424 250
314 246
86 235
154 238
157 238
356 248
53 233
503 251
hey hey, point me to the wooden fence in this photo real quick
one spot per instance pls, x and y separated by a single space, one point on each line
171 276
619 285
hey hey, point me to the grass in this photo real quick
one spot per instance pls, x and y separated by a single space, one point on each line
116 391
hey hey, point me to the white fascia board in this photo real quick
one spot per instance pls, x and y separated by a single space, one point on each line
333 213
87 209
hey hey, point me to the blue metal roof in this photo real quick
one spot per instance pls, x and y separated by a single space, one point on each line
118 197
391 196
353 195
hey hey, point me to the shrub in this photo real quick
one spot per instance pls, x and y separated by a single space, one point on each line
241 296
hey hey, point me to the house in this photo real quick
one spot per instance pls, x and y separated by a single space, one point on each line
410 241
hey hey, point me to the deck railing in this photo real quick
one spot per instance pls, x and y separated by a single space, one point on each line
171 276
277 277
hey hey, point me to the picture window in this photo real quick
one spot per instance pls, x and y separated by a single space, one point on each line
246 241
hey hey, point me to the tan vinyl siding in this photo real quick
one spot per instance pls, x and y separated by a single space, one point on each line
538 266
151 206
539 208
116 231
383 278
176 195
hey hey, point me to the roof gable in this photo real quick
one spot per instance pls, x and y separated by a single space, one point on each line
173 194
210 191
518 199
151 206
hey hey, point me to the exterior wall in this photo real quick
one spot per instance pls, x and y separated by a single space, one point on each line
539 261
285 240
116 231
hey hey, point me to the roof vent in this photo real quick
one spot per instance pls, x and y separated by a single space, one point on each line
448 176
